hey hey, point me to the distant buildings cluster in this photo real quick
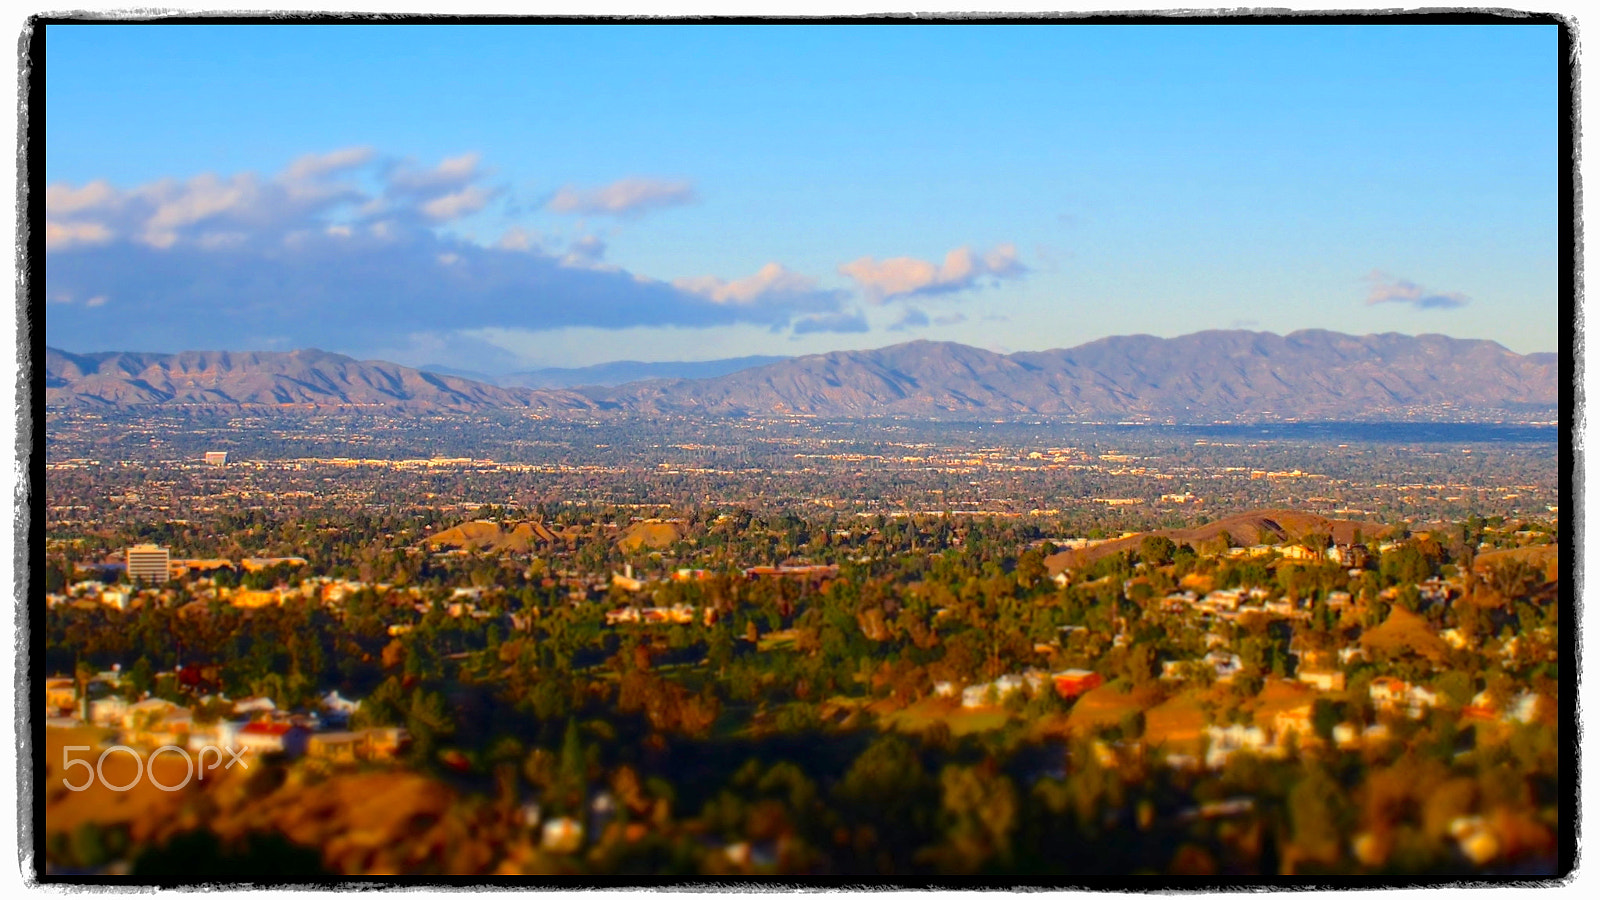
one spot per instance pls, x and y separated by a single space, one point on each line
1067 684
252 725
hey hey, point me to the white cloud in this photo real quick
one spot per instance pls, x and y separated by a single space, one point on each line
586 251
517 238
203 197
629 196
1384 288
448 175
771 280
208 210
453 206
904 276
65 199
65 234
913 318
222 260
313 166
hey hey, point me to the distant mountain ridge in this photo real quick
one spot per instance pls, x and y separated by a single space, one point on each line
1211 376
273 379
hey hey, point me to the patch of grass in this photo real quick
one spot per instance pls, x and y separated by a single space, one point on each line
1177 722
776 640
923 713
1277 696
1104 706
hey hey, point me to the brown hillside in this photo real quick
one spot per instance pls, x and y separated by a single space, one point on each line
1406 632
655 535
1244 529
1546 558
363 822
524 537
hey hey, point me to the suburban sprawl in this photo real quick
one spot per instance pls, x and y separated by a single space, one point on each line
587 647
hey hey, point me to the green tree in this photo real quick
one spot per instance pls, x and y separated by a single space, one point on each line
142 676
1315 816
1030 567
979 808
1156 550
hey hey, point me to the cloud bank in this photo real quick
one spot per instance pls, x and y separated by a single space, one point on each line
346 249
904 276
913 318
771 285
628 197
841 323
1384 288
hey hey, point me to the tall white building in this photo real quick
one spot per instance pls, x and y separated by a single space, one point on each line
216 457
149 563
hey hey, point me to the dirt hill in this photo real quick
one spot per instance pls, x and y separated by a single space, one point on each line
523 537
1243 530
1546 558
1406 632
655 535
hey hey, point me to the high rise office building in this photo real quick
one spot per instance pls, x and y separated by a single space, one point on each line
149 563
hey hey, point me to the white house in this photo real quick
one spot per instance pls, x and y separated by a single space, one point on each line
337 708
1393 695
1224 665
251 705
1322 679
156 714
108 710
1223 742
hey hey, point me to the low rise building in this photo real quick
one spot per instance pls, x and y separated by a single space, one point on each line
988 694
1224 666
1224 741
1075 682
1322 679
61 695
1390 694
334 746
158 716
262 738
107 711
1297 721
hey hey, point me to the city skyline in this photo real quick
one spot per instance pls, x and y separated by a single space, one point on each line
430 196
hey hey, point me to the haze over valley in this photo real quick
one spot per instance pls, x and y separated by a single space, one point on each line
1206 377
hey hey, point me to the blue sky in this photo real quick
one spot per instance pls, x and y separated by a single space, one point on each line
507 197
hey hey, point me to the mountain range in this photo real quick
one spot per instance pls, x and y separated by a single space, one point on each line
219 378
1211 376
